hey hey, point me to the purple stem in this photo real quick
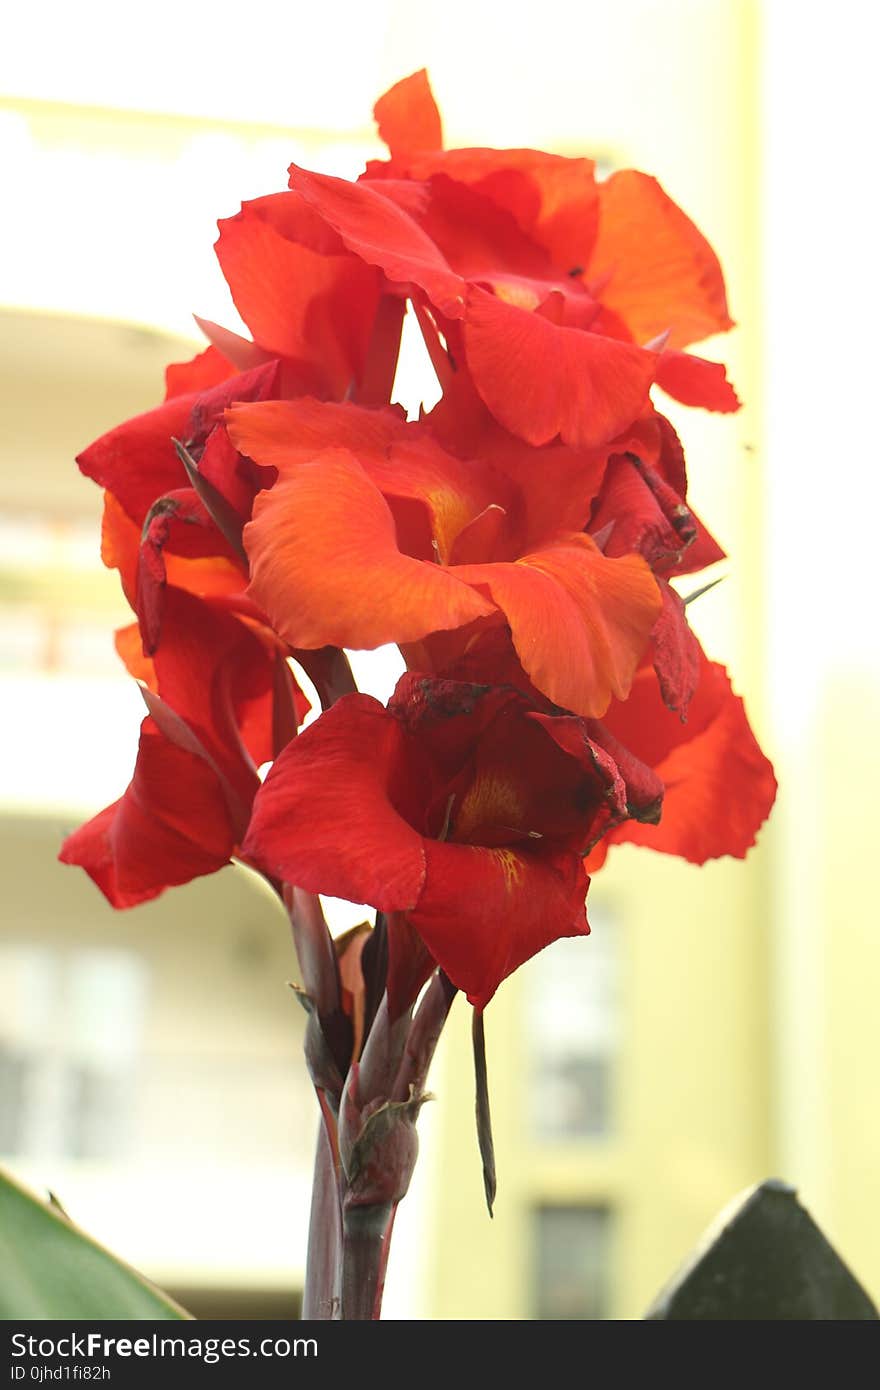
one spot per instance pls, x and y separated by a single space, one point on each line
322 1293
365 1245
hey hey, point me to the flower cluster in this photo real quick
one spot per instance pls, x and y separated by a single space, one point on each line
518 542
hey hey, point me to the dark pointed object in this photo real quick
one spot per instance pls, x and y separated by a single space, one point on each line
703 589
765 1259
484 1118
224 516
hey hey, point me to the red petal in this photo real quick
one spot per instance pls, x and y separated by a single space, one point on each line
137 460
552 197
655 442
500 782
676 653
540 380
572 736
382 234
579 621
659 271
484 242
179 523
146 561
326 568
324 818
236 479
170 826
408 118
556 484
696 381
643 514
644 789
483 912
479 538
719 785
205 369
312 308
218 675
336 815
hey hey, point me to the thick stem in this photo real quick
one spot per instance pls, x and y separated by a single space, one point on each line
366 1240
321 1296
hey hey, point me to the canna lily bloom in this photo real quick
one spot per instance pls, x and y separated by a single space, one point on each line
374 533
623 235
460 811
221 701
653 275
565 297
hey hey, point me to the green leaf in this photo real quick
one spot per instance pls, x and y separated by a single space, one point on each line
49 1269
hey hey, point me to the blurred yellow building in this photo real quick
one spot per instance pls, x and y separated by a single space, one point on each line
720 1024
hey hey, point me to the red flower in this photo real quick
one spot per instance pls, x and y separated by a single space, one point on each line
221 698
373 533
518 543
219 694
621 237
564 296
457 807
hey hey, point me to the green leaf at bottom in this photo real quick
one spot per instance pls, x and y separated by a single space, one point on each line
49 1269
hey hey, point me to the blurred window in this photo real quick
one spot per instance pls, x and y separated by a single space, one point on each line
70 1039
572 1247
57 604
573 1020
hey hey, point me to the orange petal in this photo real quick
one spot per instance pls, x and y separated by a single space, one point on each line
401 459
326 568
283 434
658 271
121 545
408 118
129 648
579 621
